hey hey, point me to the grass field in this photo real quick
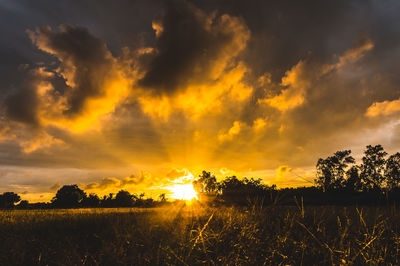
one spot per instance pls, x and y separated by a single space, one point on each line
193 234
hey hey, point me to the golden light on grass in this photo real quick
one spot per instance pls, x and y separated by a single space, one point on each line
183 192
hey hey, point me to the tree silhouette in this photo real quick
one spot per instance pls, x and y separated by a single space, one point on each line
23 204
238 191
331 171
139 200
373 167
69 196
353 181
206 183
392 171
162 197
91 201
124 199
7 200
108 201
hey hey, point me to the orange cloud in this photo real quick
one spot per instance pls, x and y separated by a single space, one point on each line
383 108
205 74
232 132
259 124
298 80
199 100
354 54
6 133
282 171
132 183
40 141
95 81
294 94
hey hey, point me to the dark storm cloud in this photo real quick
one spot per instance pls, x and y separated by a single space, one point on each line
283 32
85 61
99 17
188 43
21 105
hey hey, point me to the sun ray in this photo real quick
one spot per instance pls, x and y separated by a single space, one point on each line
183 192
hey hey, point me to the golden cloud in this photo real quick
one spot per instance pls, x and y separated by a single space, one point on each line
282 171
294 94
205 74
232 132
199 100
298 80
354 54
110 184
41 140
384 108
6 133
259 124
95 81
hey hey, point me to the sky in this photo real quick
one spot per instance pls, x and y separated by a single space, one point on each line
141 95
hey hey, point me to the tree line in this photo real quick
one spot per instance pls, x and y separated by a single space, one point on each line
339 180
376 173
71 196
230 190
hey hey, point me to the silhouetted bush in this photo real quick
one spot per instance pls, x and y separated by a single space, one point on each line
8 199
91 201
69 196
124 199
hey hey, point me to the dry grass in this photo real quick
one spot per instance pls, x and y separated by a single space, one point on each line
195 234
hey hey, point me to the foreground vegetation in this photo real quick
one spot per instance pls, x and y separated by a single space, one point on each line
182 234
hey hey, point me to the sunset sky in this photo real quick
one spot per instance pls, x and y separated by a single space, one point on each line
142 95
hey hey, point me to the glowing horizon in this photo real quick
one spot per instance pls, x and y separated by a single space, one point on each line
183 192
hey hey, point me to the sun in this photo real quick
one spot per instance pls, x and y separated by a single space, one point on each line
183 192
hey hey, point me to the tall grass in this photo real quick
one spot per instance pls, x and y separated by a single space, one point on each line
195 234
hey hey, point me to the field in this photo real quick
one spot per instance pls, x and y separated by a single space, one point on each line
193 234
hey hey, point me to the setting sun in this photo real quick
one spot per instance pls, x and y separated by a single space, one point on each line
183 192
